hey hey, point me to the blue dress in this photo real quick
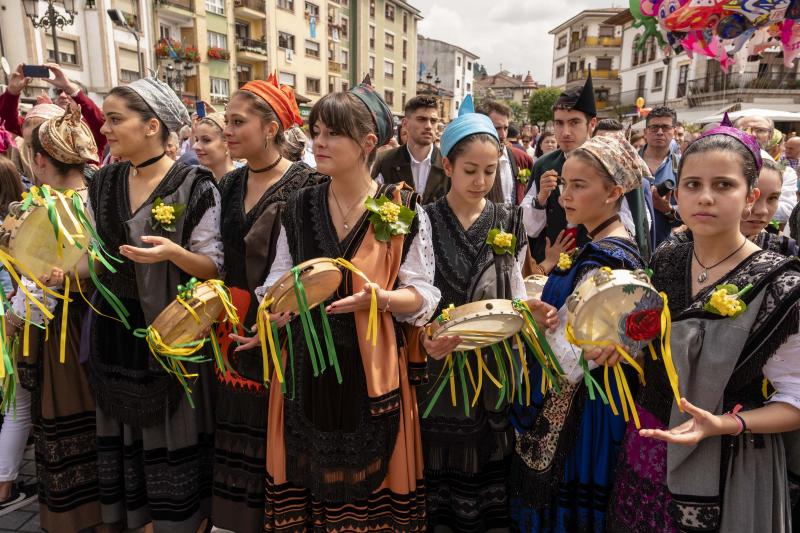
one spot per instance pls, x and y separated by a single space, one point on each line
567 444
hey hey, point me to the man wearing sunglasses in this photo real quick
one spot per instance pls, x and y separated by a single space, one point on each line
662 155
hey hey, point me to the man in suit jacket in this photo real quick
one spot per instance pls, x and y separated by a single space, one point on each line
505 188
418 162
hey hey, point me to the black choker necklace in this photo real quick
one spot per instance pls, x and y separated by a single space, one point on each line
266 168
603 226
147 163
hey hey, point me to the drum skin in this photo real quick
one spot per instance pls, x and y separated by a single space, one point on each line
320 277
479 324
177 326
534 286
33 242
618 306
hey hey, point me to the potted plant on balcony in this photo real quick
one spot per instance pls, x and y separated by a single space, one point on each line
217 53
191 54
163 48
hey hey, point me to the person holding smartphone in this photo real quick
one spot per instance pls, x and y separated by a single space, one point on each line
19 80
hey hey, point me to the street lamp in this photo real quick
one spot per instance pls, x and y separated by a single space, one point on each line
175 74
118 19
51 19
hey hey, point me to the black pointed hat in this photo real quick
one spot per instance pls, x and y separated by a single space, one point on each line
579 98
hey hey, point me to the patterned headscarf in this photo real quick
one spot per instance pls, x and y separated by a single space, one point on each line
620 160
68 139
279 97
163 101
44 111
218 119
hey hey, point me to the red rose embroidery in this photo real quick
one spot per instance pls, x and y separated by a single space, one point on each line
643 325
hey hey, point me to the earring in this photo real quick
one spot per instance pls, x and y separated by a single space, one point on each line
749 212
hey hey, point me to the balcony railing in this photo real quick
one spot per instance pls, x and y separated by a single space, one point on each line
595 42
334 67
596 74
183 4
251 45
257 5
733 87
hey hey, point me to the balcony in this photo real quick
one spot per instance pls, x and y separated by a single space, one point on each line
250 9
595 42
334 67
251 49
580 75
735 87
180 4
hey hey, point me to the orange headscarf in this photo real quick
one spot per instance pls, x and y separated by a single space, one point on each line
279 97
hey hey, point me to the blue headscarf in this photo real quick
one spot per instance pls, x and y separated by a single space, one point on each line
467 123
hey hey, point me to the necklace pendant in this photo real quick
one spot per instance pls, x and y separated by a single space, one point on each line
703 276
346 226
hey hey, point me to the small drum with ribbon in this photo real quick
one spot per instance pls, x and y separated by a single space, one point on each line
534 286
319 277
479 324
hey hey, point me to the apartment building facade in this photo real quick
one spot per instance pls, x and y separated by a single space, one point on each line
450 65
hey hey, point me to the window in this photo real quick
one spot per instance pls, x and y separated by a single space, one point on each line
68 51
372 67
606 31
388 70
658 80
345 86
312 85
288 5
458 84
683 77
242 30
219 88
405 49
469 65
372 9
641 83
312 49
560 70
604 63
216 6
458 61
388 41
331 84
634 51
389 11
287 78
164 31
372 37
562 42
128 65
312 10
344 27
652 44
345 59
286 41
405 75
403 99
244 73
469 87
217 40
388 95
405 22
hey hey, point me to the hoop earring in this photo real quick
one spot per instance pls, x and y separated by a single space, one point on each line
749 212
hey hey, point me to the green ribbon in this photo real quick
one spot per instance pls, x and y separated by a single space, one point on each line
542 362
461 358
113 301
185 292
514 368
444 378
314 348
8 348
290 342
326 331
591 384
501 368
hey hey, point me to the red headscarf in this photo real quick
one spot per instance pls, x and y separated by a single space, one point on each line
279 97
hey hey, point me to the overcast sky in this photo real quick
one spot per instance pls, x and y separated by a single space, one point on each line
511 32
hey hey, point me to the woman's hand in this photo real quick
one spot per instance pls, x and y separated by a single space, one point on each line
54 279
546 315
248 343
564 243
359 301
605 356
702 425
163 249
441 347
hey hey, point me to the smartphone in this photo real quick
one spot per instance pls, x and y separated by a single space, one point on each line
572 230
35 71
201 109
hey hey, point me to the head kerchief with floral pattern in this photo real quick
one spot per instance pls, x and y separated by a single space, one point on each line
68 139
620 160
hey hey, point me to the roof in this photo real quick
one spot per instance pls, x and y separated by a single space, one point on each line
414 11
463 51
620 19
500 80
607 12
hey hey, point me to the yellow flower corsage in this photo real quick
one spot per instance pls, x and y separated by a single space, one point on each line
501 241
564 261
726 300
165 215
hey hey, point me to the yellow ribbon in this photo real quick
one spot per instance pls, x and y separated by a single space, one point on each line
62 345
188 308
524 363
268 349
26 330
666 351
480 371
372 323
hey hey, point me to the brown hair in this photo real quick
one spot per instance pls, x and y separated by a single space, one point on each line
346 114
493 106
10 184
262 108
137 104
61 167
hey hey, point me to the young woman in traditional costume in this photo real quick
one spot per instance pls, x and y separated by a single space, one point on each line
61 404
567 442
345 454
722 466
467 455
253 198
210 146
154 449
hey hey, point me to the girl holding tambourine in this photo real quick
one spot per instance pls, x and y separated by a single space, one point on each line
717 461
567 442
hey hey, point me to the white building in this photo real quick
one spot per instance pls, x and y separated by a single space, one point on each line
587 41
451 64
698 87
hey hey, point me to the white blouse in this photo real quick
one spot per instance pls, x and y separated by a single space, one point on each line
417 271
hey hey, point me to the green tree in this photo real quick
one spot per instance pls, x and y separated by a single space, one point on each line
540 108
518 112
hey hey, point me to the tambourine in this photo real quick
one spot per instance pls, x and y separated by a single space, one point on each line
189 320
320 278
534 286
479 324
616 306
33 243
